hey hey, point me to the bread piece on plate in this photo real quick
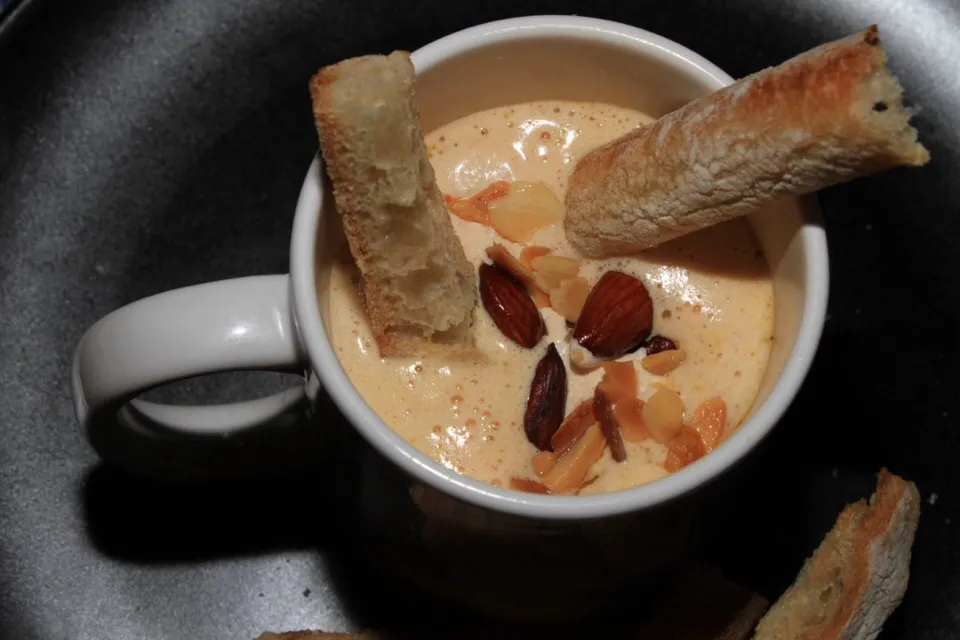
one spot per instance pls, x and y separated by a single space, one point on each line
858 575
418 286
824 117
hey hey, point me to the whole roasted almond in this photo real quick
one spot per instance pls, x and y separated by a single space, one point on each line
603 407
547 403
658 344
510 306
616 317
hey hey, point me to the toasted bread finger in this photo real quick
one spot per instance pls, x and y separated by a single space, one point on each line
858 575
417 283
824 117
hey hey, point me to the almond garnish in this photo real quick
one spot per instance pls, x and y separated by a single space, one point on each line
544 284
616 317
663 415
502 257
547 402
467 210
572 469
629 415
543 462
603 407
581 358
527 254
493 191
541 299
684 449
621 378
662 363
568 297
555 268
710 421
620 383
525 209
510 306
573 426
476 207
527 485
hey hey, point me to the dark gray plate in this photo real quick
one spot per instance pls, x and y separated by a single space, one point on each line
150 145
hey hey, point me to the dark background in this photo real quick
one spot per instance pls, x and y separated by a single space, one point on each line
155 144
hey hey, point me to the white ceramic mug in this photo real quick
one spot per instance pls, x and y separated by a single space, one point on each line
276 322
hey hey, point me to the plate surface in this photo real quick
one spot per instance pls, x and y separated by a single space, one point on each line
151 145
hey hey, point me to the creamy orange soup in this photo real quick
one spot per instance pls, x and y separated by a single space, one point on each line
711 291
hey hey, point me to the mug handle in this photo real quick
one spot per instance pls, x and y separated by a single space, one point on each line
238 324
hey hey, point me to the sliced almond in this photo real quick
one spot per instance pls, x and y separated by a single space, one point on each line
476 207
573 426
687 447
629 415
571 470
581 358
543 462
527 254
555 268
541 299
467 210
663 415
528 486
621 378
603 407
568 297
710 421
525 209
502 257
543 283
662 363
492 192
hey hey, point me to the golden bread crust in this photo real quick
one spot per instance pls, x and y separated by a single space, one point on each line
824 117
418 286
858 574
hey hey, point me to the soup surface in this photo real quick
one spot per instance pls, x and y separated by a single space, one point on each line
712 295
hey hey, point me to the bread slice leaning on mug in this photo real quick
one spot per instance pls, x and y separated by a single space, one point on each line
858 574
824 117
418 287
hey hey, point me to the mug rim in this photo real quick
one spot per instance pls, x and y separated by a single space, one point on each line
391 445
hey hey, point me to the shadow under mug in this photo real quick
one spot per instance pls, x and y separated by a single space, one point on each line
474 542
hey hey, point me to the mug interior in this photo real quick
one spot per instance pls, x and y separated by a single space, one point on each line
566 58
